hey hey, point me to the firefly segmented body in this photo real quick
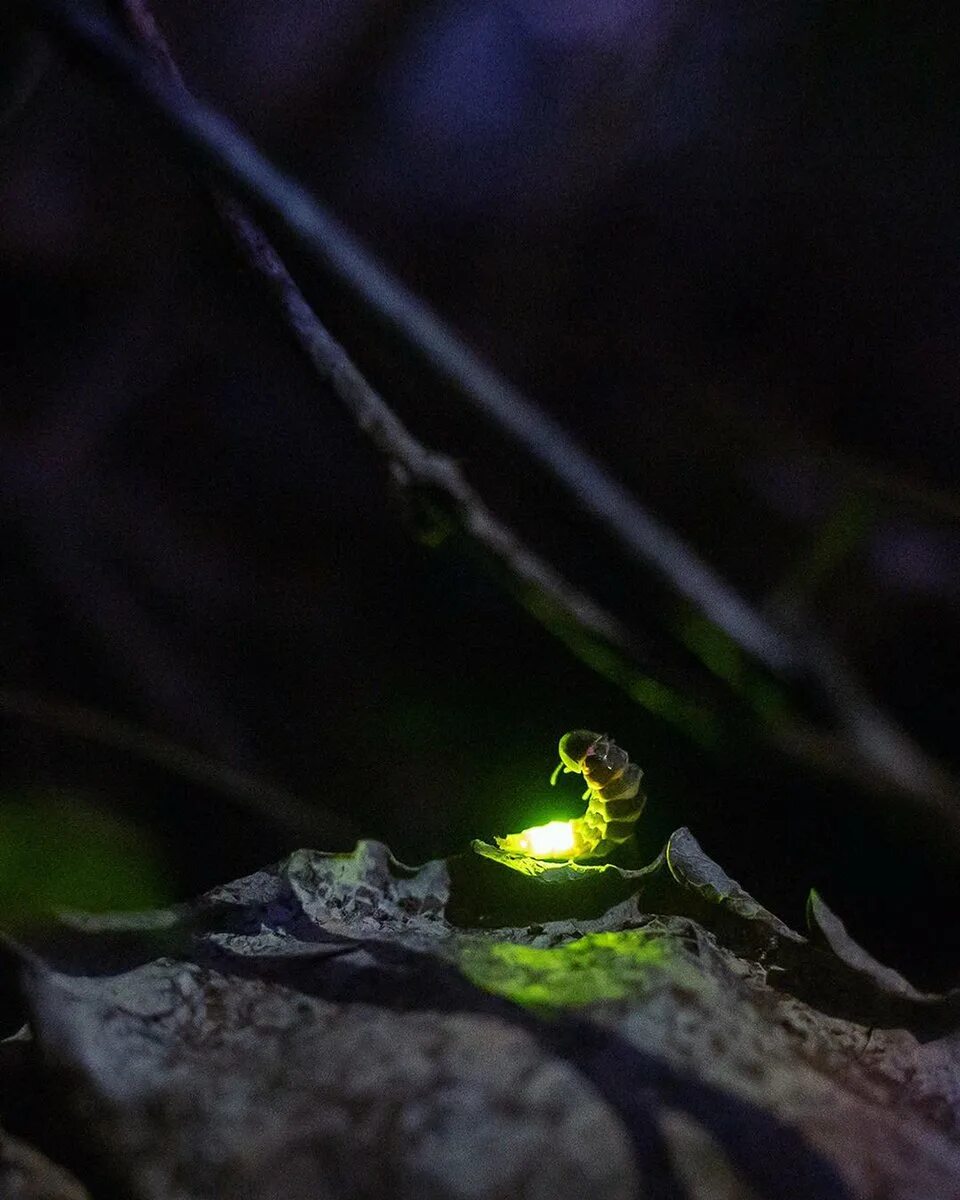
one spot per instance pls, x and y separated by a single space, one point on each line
615 801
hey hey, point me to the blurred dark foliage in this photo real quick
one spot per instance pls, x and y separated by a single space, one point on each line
718 242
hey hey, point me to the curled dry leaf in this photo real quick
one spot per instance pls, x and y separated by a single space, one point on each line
323 1027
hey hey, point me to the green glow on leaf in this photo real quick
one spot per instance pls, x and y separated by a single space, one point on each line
563 870
595 968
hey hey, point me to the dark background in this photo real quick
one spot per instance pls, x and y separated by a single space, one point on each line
718 242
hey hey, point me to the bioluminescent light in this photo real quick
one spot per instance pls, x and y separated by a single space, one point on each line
556 839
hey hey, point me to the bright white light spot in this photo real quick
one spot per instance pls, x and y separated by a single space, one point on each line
554 838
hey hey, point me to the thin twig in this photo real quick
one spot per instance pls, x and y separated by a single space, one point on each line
226 151
430 478
874 740
266 799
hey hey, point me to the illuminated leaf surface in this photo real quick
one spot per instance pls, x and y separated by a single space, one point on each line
232 1043
595 968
